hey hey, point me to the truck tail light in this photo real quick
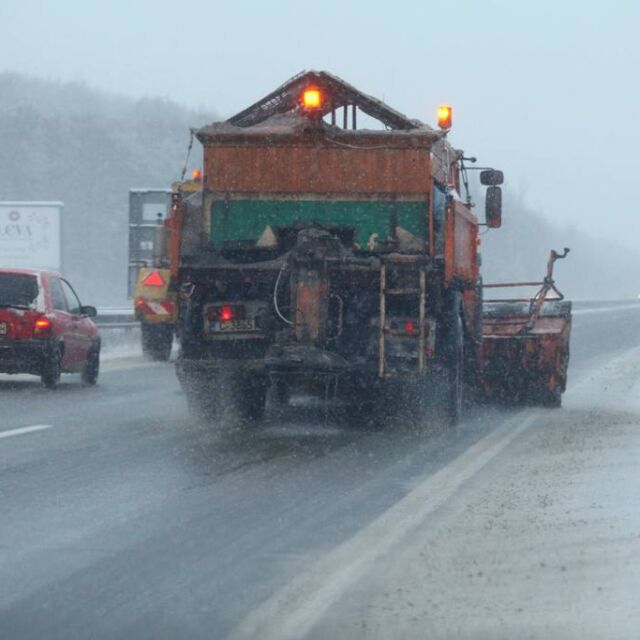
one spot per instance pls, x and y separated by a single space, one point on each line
41 327
227 314
405 326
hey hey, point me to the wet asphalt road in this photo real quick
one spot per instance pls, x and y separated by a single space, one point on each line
121 517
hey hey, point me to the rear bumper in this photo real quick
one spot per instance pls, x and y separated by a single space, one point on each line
154 320
309 374
23 356
187 367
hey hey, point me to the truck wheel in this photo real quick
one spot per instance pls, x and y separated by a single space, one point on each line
550 398
201 405
52 368
91 368
250 398
281 392
370 409
232 399
454 374
157 341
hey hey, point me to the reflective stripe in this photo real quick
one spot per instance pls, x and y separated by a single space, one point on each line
158 308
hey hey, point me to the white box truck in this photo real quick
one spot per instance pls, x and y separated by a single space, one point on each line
30 235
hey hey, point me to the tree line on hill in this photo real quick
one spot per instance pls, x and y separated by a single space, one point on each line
86 148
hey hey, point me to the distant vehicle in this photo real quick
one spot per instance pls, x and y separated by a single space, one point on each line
147 210
44 329
154 305
30 235
150 279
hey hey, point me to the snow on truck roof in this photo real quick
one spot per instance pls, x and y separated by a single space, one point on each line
277 117
278 114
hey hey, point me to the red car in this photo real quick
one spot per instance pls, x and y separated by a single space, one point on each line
44 329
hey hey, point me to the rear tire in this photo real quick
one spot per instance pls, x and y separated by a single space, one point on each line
157 341
370 409
52 368
453 360
91 368
201 404
455 375
552 399
250 398
225 398
281 393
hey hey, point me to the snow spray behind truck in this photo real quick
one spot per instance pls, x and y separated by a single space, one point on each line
343 261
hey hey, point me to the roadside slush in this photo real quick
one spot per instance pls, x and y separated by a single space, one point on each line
544 543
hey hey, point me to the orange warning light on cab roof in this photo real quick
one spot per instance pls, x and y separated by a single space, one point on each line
311 98
196 176
154 279
445 116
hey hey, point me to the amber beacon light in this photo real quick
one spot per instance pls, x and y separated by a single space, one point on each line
311 98
445 116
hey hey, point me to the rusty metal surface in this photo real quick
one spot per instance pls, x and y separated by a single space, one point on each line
460 252
277 119
524 351
525 346
286 97
294 127
300 169
311 294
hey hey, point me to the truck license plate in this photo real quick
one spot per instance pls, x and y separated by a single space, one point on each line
3 328
233 325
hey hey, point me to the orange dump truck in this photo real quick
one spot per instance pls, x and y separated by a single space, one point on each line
343 262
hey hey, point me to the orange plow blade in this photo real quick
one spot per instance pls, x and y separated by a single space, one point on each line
524 357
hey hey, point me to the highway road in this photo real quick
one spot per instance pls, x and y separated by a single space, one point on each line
122 517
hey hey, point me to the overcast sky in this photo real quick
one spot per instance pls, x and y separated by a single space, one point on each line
547 91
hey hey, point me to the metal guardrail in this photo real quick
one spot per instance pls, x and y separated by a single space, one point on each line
116 319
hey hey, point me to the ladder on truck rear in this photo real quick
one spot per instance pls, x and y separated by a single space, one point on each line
418 289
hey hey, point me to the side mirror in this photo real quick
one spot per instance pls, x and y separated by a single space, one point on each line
491 177
87 310
493 207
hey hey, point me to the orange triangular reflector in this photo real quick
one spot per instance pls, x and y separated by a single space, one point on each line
154 279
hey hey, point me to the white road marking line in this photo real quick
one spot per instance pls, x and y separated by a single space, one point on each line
292 612
121 363
21 430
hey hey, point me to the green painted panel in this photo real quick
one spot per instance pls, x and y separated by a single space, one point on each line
238 222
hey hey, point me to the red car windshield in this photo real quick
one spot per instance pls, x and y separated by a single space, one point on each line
17 290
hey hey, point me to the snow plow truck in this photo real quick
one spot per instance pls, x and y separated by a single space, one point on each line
342 261
150 279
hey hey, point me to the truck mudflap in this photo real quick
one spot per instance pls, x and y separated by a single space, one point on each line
154 302
524 355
